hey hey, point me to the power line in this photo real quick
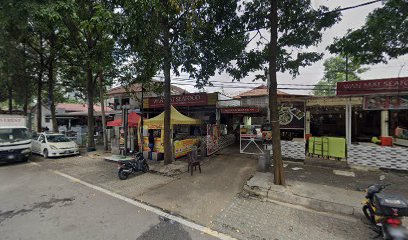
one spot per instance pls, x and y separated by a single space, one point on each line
322 14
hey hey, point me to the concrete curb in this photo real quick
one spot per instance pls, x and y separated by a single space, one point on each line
282 195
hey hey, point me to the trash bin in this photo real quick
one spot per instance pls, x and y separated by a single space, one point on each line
264 162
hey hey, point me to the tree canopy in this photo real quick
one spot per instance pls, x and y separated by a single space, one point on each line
337 69
384 35
300 27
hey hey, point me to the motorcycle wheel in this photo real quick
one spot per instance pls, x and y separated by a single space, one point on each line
145 168
369 214
122 175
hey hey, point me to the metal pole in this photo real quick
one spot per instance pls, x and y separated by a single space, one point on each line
125 127
141 121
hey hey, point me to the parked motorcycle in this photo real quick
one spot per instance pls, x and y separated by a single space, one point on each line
127 167
385 212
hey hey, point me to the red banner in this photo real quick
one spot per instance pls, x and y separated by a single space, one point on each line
192 99
239 110
367 87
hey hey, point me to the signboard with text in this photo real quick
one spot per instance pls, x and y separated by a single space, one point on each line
12 121
385 102
191 99
240 110
369 87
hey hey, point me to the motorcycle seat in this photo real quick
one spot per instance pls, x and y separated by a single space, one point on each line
388 204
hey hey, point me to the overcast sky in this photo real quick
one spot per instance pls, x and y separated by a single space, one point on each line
353 19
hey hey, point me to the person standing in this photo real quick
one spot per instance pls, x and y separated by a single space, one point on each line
151 144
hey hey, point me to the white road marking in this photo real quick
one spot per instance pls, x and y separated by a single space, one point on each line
148 208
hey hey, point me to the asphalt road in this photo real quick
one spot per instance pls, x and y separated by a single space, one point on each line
36 203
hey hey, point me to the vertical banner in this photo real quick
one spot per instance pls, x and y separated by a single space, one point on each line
213 138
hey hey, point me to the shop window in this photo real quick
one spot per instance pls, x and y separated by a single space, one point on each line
125 101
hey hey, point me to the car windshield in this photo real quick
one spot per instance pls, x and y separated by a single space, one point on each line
57 138
13 134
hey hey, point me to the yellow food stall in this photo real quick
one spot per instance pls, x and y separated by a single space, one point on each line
182 145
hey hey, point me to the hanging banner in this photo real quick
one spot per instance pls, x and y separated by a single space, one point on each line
292 115
192 99
385 102
213 137
369 87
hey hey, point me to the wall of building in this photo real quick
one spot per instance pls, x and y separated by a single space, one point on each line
44 112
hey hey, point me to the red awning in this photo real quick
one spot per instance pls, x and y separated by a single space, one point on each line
133 121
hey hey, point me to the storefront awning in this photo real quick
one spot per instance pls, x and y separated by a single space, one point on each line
176 118
133 121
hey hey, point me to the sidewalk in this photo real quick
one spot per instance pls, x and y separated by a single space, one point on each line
314 196
324 189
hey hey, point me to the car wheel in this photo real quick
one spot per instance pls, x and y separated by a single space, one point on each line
45 153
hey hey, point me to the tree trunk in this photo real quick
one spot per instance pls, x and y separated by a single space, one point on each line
39 101
90 93
168 150
25 107
51 84
102 97
279 178
39 89
51 100
10 98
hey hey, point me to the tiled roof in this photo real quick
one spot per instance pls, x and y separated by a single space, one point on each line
261 90
74 107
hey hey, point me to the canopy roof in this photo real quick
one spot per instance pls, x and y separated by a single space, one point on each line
133 121
176 118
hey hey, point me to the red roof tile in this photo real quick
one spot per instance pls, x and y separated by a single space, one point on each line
261 90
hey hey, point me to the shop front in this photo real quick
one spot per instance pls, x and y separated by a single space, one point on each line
182 140
384 109
201 106
291 118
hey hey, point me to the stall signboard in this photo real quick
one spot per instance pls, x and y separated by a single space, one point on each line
191 99
385 102
240 110
158 145
182 147
292 115
213 138
369 87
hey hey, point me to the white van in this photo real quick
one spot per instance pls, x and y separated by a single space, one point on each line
15 141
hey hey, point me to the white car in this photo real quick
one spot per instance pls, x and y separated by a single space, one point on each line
53 145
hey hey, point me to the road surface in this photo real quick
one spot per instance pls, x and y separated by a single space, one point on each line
37 203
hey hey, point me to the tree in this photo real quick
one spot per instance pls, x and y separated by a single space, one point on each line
14 64
195 37
294 27
87 26
384 36
337 69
